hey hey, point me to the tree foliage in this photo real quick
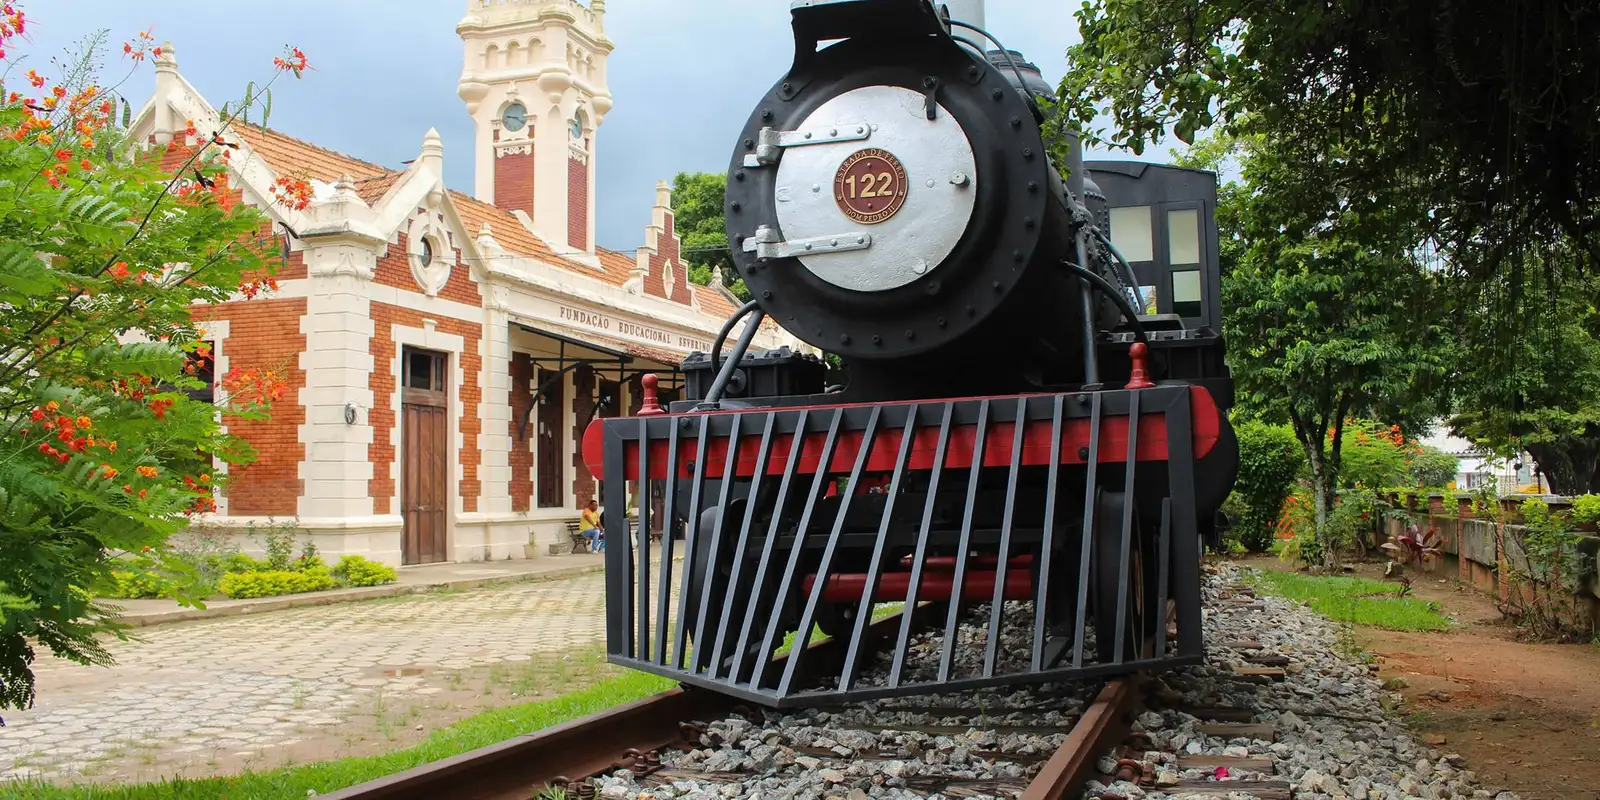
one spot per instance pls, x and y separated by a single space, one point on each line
103 256
1530 367
697 202
1480 109
1433 468
1328 314
1269 459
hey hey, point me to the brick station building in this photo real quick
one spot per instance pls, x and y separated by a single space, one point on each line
417 324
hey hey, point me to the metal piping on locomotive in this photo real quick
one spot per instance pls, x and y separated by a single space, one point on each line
999 438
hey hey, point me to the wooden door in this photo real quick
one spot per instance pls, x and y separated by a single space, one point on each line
547 435
425 494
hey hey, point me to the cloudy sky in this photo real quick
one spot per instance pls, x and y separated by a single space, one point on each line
684 75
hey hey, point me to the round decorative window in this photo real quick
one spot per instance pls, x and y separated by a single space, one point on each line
427 252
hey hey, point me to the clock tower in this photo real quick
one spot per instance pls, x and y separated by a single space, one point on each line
534 82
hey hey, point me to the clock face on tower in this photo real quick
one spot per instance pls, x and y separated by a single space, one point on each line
515 117
577 128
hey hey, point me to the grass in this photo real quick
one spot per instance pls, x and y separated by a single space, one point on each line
294 782
1357 600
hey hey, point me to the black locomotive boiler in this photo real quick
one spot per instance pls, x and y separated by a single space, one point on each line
1031 440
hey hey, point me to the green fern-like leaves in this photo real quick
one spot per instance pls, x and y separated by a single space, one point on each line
136 358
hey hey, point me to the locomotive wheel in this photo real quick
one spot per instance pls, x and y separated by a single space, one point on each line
723 591
1135 589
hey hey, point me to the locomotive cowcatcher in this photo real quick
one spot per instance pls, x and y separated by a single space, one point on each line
1031 442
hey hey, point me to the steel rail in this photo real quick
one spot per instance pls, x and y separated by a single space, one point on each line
1104 724
518 768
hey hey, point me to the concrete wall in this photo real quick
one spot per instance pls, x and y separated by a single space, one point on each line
1481 552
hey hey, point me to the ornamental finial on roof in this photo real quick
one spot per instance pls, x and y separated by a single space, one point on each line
433 150
344 189
168 57
486 241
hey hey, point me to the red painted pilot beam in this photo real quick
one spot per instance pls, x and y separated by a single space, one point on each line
893 586
948 563
1205 425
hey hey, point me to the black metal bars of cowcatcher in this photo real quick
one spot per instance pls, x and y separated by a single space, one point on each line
1072 538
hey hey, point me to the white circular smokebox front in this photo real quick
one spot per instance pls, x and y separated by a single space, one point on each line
907 183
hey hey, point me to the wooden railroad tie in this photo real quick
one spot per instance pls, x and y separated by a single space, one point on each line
1268 659
1252 763
1242 644
1260 674
1264 790
1220 713
1240 730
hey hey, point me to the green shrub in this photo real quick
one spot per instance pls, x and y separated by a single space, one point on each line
272 583
1586 509
125 585
1269 457
358 571
242 563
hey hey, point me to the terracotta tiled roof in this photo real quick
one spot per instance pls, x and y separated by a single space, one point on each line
618 266
713 302
286 153
373 189
506 228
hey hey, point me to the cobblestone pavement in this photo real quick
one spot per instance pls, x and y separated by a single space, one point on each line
191 689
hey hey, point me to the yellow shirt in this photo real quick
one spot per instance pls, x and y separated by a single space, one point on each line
591 519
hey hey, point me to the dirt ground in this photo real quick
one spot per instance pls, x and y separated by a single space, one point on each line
1526 716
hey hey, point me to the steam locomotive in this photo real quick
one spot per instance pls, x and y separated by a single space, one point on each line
1031 442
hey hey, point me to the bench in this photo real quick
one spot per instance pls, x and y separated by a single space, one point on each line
580 543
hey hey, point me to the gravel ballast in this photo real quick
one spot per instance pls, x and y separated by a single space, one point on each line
1331 735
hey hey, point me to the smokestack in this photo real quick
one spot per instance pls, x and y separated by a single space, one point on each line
968 11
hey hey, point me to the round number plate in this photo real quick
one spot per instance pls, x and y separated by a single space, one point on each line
870 186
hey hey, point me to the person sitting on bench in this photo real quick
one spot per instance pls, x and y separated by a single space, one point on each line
589 525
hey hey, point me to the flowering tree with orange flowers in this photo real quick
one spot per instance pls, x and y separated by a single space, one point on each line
104 256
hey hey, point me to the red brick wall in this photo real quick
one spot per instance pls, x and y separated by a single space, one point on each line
513 182
265 334
382 451
521 447
177 154
394 269
577 204
667 250
583 384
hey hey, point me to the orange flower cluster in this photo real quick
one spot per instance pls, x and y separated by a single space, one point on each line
265 386
138 53
71 431
294 193
295 62
88 113
13 23
252 288
1286 516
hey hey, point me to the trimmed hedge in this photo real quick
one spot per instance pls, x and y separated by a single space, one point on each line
241 585
358 571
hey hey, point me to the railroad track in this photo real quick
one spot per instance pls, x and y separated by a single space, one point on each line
1035 743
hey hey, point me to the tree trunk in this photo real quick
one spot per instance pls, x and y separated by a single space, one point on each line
1321 502
1569 463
